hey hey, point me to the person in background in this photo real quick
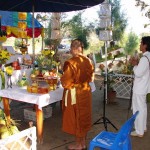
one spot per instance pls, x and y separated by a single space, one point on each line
141 85
77 97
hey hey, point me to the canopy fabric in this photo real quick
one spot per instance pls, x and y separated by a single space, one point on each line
47 5
9 22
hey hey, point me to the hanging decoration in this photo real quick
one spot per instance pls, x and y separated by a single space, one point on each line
12 20
105 33
22 24
55 26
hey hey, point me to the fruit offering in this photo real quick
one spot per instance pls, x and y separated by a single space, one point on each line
7 126
23 81
38 89
52 81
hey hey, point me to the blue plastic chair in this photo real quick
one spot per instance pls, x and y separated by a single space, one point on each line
115 141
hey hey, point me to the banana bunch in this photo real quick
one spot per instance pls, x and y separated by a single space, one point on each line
7 126
9 70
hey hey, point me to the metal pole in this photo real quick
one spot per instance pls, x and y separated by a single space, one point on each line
33 36
106 72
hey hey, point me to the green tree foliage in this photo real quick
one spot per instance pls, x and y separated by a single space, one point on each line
119 22
145 7
131 43
75 29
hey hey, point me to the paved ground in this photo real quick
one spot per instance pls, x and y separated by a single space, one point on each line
55 139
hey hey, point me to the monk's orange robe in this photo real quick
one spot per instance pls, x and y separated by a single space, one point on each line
78 73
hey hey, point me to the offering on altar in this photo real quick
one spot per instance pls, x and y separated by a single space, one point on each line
50 77
23 82
52 81
16 65
36 88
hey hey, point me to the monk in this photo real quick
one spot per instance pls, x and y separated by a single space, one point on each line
77 96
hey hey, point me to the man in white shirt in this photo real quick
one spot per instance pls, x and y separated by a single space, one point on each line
140 87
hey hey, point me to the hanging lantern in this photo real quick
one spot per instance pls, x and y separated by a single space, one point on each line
105 10
105 35
55 24
22 15
105 22
56 15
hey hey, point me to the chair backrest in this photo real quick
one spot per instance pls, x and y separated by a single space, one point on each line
124 132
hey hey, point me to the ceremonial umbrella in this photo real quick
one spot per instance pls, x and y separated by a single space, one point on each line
47 5
9 23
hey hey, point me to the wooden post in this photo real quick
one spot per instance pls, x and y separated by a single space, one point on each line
6 106
39 119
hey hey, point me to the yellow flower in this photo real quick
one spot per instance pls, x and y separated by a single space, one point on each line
4 54
9 70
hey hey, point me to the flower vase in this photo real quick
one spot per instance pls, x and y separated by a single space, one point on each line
2 66
23 50
9 82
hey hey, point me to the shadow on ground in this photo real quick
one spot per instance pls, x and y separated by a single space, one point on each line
55 139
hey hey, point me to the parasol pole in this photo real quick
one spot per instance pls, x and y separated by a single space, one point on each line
33 36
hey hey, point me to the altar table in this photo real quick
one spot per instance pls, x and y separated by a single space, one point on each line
40 100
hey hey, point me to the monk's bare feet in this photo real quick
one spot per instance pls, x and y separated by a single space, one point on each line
75 147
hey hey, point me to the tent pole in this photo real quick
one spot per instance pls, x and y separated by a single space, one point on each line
33 36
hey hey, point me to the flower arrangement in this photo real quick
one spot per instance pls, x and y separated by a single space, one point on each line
48 53
46 60
9 71
4 56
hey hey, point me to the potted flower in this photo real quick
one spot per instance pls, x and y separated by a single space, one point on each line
111 93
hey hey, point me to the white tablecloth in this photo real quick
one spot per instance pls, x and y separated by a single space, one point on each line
21 94
41 100
17 75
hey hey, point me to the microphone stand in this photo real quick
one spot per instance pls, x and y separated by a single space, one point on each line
104 119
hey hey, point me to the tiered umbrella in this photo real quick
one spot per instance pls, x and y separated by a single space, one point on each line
10 23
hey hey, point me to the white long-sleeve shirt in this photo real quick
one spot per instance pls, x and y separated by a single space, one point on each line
141 83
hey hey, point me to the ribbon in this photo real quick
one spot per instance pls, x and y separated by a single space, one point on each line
73 96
